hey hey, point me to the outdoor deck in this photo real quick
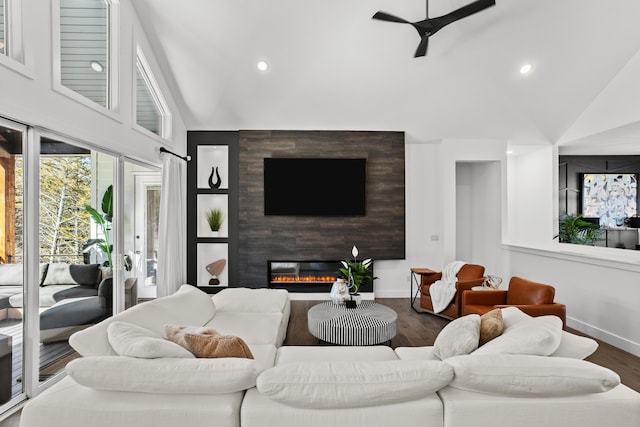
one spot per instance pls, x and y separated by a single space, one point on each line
49 354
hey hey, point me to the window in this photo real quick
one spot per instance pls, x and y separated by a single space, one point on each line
86 63
151 110
11 35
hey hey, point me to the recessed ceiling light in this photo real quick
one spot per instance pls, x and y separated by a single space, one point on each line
526 69
262 65
96 66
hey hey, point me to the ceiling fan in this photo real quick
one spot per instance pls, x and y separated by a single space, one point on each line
429 26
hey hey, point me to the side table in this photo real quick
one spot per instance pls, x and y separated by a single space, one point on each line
416 278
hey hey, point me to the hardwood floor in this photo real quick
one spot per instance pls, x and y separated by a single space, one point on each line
416 329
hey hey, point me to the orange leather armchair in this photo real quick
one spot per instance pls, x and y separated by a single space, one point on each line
535 299
468 276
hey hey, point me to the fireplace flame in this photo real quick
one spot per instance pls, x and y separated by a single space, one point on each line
304 279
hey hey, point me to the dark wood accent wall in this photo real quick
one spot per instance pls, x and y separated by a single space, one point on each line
380 234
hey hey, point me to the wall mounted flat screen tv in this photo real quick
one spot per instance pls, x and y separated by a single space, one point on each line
315 186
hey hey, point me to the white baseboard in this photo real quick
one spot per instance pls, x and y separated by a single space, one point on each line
608 337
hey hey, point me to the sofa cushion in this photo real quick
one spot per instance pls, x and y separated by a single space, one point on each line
491 325
166 375
135 341
12 274
536 336
210 346
353 384
575 346
571 345
187 306
526 375
48 296
459 336
59 273
262 300
176 333
415 353
253 328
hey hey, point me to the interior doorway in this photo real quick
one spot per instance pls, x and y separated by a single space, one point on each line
479 214
147 214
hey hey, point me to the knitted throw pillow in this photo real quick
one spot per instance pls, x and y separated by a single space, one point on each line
210 346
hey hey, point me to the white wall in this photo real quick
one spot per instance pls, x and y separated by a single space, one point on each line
530 195
431 224
28 95
601 296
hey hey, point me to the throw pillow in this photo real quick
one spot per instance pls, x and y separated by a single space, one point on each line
460 336
525 375
491 325
575 346
176 333
167 375
512 316
211 346
135 341
353 384
536 336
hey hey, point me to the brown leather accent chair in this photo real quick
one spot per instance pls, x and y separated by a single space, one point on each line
468 276
533 298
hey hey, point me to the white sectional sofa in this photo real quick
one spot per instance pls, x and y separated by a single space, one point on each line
327 385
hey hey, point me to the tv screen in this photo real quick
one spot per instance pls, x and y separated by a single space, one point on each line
314 186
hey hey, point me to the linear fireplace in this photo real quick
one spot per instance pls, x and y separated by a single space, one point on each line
307 276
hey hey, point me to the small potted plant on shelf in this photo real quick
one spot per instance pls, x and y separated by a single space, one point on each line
214 219
356 273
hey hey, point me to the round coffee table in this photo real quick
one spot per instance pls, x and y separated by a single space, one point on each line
367 324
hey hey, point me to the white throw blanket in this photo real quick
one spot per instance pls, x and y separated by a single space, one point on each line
442 291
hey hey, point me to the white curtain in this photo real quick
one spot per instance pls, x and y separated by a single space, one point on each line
172 270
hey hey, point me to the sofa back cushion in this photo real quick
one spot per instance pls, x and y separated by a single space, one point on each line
352 384
262 300
188 306
60 273
526 375
12 274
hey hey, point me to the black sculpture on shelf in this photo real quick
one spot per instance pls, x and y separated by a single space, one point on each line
216 184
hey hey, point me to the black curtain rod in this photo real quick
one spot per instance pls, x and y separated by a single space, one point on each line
185 158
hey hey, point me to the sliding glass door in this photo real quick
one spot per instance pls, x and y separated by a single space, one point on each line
76 246
78 242
12 271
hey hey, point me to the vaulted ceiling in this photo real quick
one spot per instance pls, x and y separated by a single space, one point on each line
332 67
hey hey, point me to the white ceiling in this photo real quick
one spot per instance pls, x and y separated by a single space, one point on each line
333 67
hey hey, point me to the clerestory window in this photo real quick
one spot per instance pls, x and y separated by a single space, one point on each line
151 109
86 62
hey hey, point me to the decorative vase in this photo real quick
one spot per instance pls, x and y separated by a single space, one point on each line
339 291
215 184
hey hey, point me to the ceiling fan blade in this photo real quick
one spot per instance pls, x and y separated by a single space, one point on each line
382 16
462 12
422 47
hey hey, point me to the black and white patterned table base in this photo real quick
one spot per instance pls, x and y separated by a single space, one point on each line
367 324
